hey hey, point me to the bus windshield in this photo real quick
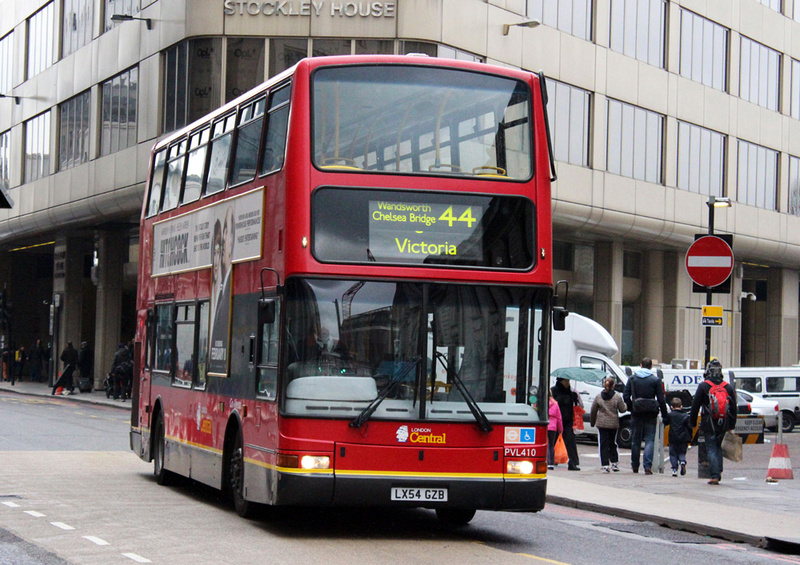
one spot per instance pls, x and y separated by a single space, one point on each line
408 119
430 349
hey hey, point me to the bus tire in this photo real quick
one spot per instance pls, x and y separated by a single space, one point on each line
624 434
788 422
244 508
455 516
162 475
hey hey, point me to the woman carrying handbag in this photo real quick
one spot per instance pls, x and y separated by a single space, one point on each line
554 428
566 399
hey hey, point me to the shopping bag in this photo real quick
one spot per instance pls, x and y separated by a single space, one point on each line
732 447
560 453
577 419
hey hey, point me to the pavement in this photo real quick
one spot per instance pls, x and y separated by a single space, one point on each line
743 508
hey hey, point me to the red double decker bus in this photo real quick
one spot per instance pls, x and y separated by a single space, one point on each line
345 290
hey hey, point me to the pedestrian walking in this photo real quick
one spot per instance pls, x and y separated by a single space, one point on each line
567 399
716 400
70 359
680 434
20 360
644 396
555 426
605 417
121 367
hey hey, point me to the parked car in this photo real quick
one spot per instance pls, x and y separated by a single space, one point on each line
760 407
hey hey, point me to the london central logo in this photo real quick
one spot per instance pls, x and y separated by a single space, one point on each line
419 435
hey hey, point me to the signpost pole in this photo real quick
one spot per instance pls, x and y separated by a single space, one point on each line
709 299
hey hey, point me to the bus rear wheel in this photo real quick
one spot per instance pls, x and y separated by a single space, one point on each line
244 508
162 475
455 516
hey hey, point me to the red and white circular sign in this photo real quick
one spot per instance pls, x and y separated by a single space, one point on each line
709 261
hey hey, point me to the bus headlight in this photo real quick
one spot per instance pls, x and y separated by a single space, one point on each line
315 462
519 467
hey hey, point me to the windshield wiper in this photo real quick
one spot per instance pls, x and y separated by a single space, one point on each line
396 379
480 417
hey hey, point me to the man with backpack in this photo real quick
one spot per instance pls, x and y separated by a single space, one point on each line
717 400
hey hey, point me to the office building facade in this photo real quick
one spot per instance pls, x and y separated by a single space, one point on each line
655 107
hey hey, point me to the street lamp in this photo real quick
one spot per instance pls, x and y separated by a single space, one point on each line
713 203
119 18
15 98
526 23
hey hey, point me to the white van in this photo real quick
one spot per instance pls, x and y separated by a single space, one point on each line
778 384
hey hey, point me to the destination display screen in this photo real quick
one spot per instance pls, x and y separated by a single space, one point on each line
425 228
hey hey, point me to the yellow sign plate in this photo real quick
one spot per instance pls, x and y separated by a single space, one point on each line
712 316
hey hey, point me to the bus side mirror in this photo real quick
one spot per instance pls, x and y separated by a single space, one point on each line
266 311
560 318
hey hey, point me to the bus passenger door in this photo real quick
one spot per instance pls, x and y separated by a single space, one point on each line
141 408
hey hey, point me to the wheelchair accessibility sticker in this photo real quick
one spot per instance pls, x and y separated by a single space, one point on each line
520 435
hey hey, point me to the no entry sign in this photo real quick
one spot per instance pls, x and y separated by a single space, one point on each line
709 261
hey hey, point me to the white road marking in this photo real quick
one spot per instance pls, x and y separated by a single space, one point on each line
137 558
11 504
62 525
96 540
34 513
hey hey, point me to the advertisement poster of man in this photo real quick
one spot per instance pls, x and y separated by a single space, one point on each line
216 236
221 271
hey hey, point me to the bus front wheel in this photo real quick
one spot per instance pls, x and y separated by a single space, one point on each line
244 508
455 516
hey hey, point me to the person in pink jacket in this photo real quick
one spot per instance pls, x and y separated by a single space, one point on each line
554 427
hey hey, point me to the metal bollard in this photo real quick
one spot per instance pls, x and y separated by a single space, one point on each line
780 427
659 441
703 468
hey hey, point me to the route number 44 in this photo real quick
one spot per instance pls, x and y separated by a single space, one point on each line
466 216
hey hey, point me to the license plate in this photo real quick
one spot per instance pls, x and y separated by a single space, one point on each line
423 494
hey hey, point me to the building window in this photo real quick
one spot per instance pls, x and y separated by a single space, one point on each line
428 49
326 47
40 40
570 16
120 95
758 176
794 186
125 7
635 142
772 4
568 112
284 53
73 135
374 47
244 65
794 109
637 29
759 74
37 147
5 160
701 159
192 81
704 51
6 64
76 25
445 52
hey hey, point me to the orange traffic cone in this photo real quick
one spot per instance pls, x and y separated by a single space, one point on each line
780 466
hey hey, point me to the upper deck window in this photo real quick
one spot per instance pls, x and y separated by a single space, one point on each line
421 120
